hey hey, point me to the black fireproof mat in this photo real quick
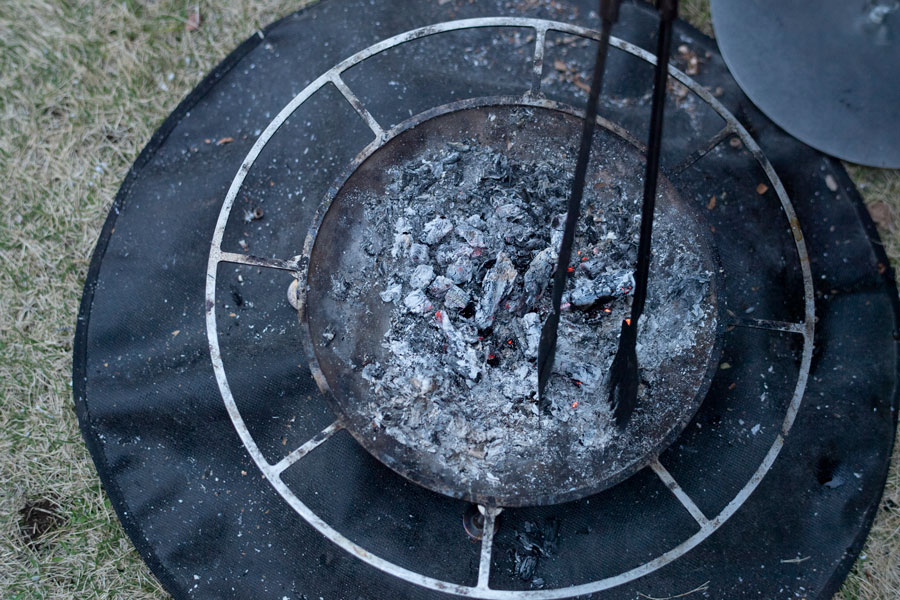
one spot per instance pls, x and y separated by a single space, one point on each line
211 526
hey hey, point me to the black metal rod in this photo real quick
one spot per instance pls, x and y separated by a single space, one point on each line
609 11
623 379
663 48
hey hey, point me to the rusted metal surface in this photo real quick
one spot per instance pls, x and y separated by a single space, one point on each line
543 475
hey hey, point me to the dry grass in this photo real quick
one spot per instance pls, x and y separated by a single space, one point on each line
881 190
876 575
82 87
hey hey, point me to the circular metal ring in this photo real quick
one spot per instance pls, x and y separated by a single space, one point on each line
272 472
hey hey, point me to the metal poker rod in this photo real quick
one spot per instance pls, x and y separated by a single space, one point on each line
609 12
624 377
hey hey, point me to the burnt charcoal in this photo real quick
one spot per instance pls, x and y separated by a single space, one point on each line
456 298
606 286
525 566
392 293
417 302
484 268
498 168
487 332
460 271
593 266
448 253
439 286
421 277
418 254
493 289
538 275
435 230
474 237
533 543
402 244
550 533
511 212
236 296
540 540
373 247
522 239
530 336
459 146
469 243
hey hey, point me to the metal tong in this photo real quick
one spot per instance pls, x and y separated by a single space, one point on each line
624 377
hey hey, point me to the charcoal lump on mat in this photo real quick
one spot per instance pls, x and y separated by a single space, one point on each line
465 241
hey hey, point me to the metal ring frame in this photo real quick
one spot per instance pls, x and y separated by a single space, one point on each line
295 265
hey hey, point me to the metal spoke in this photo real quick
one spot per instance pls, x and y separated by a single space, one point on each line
286 462
696 155
487 543
537 69
357 105
258 261
786 326
685 500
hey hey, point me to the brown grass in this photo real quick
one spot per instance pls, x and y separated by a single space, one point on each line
82 87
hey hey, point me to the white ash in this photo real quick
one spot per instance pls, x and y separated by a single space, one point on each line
466 242
421 276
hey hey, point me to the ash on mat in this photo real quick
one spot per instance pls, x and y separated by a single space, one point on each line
466 240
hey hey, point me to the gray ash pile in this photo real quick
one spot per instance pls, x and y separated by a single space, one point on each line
465 239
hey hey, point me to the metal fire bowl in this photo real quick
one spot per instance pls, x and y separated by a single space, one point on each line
543 475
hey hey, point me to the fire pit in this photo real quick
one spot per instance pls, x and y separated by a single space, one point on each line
428 284
440 136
